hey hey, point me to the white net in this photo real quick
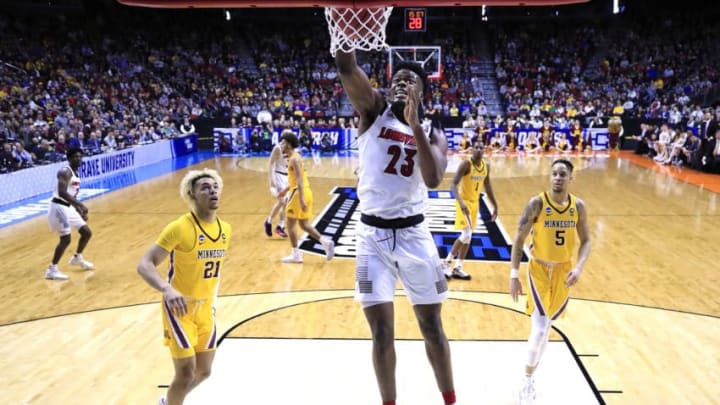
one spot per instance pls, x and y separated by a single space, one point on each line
362 28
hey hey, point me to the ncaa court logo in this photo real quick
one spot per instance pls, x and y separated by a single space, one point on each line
340 217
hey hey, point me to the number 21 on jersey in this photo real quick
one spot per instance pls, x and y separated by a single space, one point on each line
212 269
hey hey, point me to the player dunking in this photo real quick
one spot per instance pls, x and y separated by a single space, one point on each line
552 218
473 175
67 212
399 159
197 244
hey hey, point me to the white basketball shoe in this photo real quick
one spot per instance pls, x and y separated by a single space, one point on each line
458 272
295 257
329 246
53 273
77 260
447 269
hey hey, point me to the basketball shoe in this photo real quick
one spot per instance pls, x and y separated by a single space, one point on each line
458 272
447 269
527 393
162 401
53 273
77 260
329 247
268 228
295 257
279 231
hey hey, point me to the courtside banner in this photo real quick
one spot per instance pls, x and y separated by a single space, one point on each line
184 145
338 138
597 137
37 180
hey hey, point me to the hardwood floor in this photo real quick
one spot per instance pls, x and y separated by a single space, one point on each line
648 303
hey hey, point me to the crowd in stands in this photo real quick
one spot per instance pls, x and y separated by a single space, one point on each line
658 71
75 88
67 82
694 144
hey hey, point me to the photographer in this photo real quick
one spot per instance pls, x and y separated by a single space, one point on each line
255 140
266 141
326 144
305 138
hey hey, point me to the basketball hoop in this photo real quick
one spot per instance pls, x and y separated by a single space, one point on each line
362 28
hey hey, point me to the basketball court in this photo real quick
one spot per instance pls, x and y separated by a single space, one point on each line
641 327
345 373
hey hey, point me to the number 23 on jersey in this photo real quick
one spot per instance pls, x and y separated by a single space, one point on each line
406 167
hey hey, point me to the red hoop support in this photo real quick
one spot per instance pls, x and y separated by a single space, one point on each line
338 3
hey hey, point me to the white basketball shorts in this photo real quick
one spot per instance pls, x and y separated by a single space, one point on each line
383 255
62 218
281 183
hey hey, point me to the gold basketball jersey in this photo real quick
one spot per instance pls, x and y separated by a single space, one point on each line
472 183
553 233
197 252
292 176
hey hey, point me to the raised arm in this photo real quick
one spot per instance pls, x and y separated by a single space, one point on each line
366 100
432 151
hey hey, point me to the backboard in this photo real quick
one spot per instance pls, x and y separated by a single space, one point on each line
429 57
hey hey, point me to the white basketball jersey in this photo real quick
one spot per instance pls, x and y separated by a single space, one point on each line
391 185
281 165
73 185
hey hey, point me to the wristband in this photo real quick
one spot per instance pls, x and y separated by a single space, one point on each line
514 273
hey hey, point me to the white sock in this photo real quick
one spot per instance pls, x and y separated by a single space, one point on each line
281 224
296 251
539 333
458 263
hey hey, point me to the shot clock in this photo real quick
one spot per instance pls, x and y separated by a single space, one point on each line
415 20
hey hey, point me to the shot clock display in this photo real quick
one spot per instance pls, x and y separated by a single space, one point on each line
415 20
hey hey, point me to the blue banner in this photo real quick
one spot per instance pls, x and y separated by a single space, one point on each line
321 138
596 137
184 145
37 180
343 138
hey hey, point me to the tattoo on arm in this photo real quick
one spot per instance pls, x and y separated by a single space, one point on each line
528 217
530 213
